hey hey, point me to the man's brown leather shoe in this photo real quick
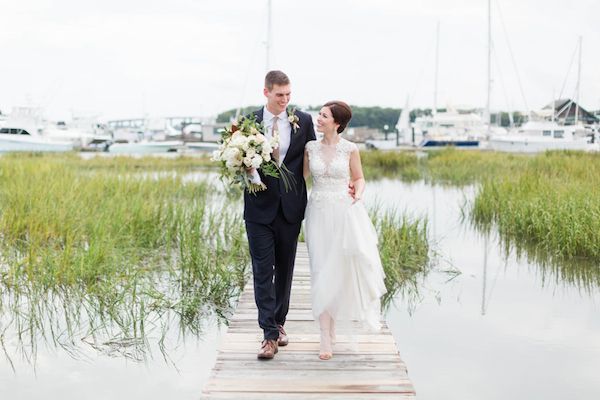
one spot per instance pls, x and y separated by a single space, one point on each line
283 338
268 349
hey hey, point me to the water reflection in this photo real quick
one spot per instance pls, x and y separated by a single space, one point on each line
503 326
489 321
125 323
578 272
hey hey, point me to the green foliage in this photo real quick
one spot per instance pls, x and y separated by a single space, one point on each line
404 251
374 117
122 246
229 115
547 205
552 203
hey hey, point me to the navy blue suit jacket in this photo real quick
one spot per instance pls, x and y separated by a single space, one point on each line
262 207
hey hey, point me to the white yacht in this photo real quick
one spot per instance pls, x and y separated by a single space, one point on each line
23 131
538 136
450 128
84 132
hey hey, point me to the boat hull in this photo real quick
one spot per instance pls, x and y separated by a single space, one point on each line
22 143
536 144
429 143
145 147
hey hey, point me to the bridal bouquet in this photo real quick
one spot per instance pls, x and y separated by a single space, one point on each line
244 147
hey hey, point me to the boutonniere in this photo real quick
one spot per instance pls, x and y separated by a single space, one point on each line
293 119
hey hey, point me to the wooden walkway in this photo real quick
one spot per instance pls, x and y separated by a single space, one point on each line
369 369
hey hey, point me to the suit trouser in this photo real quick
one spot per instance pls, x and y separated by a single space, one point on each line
273 250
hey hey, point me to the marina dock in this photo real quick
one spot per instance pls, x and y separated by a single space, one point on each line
364 366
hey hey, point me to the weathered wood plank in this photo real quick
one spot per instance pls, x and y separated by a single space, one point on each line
365 364
305 396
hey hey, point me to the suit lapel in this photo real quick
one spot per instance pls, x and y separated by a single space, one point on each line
259 115
293 140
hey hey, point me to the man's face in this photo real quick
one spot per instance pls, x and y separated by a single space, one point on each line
277 98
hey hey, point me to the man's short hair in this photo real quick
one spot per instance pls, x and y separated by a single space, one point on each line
276 78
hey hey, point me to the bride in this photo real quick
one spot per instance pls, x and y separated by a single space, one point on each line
346 272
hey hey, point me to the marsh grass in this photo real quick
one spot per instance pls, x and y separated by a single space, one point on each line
382 164
546 206
120 250
551 207
404 251
463 167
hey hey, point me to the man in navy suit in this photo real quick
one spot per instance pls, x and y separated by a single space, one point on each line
274 216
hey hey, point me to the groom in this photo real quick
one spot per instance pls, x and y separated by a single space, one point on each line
274 216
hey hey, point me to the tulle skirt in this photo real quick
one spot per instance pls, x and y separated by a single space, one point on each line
347 277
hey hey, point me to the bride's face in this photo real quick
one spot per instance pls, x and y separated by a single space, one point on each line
325 122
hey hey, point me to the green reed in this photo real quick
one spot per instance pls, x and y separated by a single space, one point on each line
124 247
404 250
553 204
444 166
379 164
462 167
545 206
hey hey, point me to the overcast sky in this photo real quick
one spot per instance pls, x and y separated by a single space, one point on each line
127 58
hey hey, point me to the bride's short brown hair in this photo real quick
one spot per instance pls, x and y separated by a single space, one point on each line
342 113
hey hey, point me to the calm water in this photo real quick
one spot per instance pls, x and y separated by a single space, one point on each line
501 328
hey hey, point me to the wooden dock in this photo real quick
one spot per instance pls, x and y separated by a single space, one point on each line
369 369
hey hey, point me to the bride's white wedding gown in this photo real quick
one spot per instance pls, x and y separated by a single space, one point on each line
346 271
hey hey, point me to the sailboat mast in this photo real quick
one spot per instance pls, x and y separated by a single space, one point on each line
489 69
437 62
578 82
268 44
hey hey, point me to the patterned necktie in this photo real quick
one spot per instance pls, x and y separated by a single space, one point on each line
275 132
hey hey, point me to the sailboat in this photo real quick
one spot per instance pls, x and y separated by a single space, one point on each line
450 127
404 137
543 132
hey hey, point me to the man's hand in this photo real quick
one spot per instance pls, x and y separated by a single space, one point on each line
253 175
352 192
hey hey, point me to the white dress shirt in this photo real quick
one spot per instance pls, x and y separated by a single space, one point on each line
285 137
284 128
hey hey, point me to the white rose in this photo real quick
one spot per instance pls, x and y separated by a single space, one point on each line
254 131
266 157
238 141
260 138
256 161
251 152
231 153
247 161
216 155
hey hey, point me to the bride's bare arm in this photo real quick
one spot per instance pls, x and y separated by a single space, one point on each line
356 175
305 169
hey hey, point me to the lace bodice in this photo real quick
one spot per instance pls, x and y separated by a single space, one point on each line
330 169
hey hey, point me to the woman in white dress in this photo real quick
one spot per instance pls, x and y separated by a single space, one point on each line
346 272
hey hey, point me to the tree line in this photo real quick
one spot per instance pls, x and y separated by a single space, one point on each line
382 117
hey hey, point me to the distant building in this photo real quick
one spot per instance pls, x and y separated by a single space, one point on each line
565 110
361 133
